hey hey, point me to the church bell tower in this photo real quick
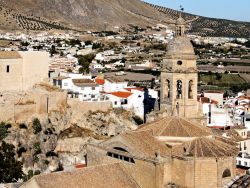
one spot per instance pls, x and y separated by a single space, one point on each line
179 76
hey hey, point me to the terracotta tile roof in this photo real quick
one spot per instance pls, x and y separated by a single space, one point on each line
103 176
238 127
83 82
100 81
61 78
115 79
176 127
146 144
207 100
205 147
214 91
234 135
10 55
243 97
217 132
226 140
121 94
136 88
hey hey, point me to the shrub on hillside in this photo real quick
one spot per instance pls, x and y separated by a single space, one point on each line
10 168
37 126
4 130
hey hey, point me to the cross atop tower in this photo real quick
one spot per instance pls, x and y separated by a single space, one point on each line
180 24
181 9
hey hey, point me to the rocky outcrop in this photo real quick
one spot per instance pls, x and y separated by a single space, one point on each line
62 140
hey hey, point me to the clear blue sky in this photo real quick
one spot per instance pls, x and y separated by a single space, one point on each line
228 9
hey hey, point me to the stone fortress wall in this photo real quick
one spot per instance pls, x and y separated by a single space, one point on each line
18 107
84 107
22 70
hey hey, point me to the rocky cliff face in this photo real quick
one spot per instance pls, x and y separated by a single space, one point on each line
61 140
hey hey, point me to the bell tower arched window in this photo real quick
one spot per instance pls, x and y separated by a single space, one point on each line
179 31
167 89
190 89
179 89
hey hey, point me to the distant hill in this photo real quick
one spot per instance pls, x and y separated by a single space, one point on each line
85 15
204 26
78 14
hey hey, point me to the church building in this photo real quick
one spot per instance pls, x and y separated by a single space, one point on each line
179 77
171 152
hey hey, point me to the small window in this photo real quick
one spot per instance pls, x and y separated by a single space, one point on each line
115 102
226 173
126 159
179 62
110 154
245 163
8 69
124 101
93 88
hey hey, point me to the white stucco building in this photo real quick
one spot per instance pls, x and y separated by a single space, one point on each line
215 95
84 89
114 84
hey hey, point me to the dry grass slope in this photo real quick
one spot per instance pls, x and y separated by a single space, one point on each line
204 26
104 15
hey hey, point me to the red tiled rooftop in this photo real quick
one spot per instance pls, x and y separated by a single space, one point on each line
121 94
214 91
207 100
100 81
135 88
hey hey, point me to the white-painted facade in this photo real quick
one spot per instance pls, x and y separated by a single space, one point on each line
112 86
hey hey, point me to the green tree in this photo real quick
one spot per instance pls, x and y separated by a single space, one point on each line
53 50
88 42
37 148
3 131
85 61
10 168
36 126
224 64
218 76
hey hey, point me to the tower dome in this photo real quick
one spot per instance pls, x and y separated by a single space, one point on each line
180 45
180 21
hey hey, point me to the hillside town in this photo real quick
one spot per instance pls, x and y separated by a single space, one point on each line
132 107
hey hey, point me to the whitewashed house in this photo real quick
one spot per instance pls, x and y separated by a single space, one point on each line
114 84
96 66
84 89
131 98
126 100
87 89
215 95
239 135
